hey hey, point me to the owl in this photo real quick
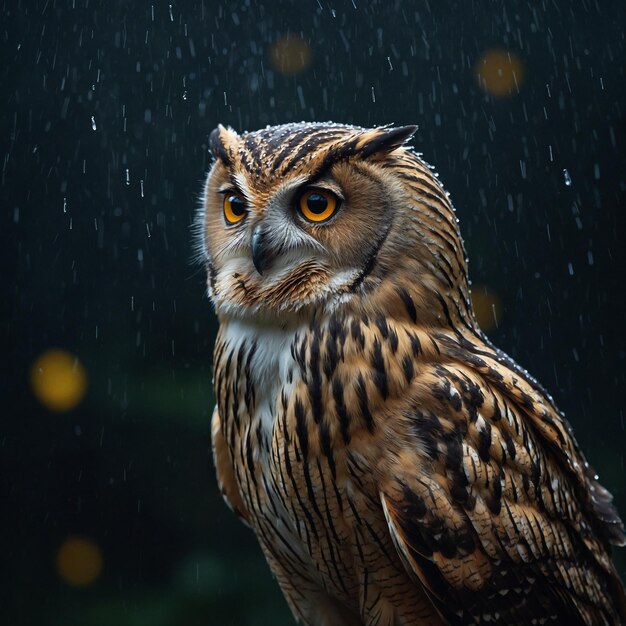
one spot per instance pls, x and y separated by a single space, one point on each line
396 467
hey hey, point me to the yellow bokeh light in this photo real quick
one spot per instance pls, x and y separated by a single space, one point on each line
499 72
58 380
79 561
487 307
290 55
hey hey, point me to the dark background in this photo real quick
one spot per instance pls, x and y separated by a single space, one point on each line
109 278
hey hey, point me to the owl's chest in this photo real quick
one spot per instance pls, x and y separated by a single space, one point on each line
254 374
254 379
253 365
270 390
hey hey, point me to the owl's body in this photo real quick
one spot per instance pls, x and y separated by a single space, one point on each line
396 468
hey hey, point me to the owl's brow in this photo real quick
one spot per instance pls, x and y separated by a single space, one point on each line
319 175
331 159
386 140
236 184
229 187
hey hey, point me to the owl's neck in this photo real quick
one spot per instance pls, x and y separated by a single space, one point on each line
412 294
425 295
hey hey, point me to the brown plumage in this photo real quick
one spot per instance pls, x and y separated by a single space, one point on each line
396 468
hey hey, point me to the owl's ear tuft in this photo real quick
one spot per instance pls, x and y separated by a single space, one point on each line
384 140
219 143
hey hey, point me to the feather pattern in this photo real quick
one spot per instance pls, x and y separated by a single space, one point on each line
396 467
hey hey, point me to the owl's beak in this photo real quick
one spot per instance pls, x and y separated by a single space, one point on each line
262 255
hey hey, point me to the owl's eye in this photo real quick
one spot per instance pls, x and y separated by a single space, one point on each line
317 205
234 208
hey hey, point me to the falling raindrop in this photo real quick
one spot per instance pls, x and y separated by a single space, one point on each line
127 177
567 179
93 123
141 185
64 205
184 95
171 14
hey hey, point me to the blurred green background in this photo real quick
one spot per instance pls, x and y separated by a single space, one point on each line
110 513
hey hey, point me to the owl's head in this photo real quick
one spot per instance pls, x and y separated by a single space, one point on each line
305 218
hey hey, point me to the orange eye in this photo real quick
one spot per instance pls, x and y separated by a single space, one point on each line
234 208
317 205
